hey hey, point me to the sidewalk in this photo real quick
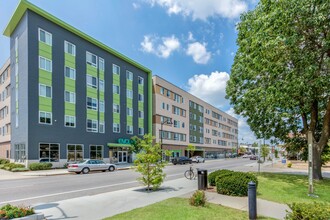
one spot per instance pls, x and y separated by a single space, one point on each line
112 203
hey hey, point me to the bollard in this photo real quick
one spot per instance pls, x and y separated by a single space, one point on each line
252 196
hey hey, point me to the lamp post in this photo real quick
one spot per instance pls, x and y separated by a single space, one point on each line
167 122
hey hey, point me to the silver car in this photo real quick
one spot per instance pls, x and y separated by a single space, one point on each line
198 159
85 166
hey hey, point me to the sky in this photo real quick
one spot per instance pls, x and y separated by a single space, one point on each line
190 43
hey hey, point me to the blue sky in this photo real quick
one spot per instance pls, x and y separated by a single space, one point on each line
189 43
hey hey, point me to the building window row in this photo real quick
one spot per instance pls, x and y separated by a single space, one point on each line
172 95
168 135
194 105
178 111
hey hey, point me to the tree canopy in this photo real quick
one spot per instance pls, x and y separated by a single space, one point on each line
280 77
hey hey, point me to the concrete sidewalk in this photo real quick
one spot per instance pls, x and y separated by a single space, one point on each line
109 204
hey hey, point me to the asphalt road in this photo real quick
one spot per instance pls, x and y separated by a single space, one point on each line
48 189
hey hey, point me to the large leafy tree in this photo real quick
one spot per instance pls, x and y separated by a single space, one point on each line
280 77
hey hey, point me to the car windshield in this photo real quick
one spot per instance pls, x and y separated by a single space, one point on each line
82 161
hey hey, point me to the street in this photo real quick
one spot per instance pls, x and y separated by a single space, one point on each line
48 189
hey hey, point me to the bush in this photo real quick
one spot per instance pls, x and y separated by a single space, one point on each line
307 211
198 198
40 166
212 176
235 184
4 161
9 211
10 166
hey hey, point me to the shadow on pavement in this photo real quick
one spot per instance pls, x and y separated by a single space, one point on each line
51 206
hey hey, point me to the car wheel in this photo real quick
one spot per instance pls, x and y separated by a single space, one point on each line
190 162
197 161
174 163
203 161
111 168
78 172
85 170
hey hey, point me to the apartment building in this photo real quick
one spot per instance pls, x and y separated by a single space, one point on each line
180 119
5 128
72 96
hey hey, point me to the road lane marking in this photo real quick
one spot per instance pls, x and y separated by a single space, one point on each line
68 192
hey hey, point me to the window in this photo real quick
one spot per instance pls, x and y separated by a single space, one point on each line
116 108
70 73
45 91
116 89
75 152
141 80
96 152
45 64
116 127
141 131
45 117
91 103
102 127
162 90
70 121
129 75
91 81
92 125
141 114
163 105
101 64
182 125
91 59
129 129
141 97
115 69
101 106
129 94
176 124
45 37
168 93
101 85
49 152
70 97
129 112
69 48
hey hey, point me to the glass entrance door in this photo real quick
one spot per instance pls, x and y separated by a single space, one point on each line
122 156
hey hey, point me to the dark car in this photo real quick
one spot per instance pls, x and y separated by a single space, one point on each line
253 157
181 160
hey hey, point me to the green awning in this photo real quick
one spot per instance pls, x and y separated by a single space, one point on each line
118 145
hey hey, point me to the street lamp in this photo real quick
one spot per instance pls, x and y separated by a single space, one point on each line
167 122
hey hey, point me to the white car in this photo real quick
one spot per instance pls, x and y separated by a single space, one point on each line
246 156
198 159
85 166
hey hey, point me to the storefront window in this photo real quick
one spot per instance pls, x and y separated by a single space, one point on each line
75 152
49 152
20 155
96 152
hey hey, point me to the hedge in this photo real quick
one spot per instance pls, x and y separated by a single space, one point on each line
4 161
212 176
235 183
9 211
40 166
10 166
307 211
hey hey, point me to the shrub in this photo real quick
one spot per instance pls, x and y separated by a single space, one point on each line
289 165
235 184
10 166
9 211
212 176
307 211
40 166
4 161
198 198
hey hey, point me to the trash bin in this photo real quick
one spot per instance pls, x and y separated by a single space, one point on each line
202 179
284 161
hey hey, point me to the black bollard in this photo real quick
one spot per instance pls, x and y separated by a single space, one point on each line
252 194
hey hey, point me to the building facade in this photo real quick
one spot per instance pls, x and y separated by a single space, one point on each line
72 97
5 125
180 119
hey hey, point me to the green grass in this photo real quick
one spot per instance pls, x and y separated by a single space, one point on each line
179 208
288 188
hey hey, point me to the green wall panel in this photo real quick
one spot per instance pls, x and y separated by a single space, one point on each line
45 48
45 104
70 59
116 118
116 98
91 114
91 92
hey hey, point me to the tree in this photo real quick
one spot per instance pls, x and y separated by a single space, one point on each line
136 144
242 150
191 149
264 151
149 163
280 76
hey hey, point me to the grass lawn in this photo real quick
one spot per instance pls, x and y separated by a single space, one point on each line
179 208
288 188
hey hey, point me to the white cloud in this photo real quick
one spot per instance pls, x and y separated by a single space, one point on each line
198 52
202 9
135 5
191 37
211 88
162 47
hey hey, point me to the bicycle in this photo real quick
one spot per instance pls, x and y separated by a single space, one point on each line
190 174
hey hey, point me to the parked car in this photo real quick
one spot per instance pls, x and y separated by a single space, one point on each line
233 155
181 160
246 156
197 159
253 157
85 166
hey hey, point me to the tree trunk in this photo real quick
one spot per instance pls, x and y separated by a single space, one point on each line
317 163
